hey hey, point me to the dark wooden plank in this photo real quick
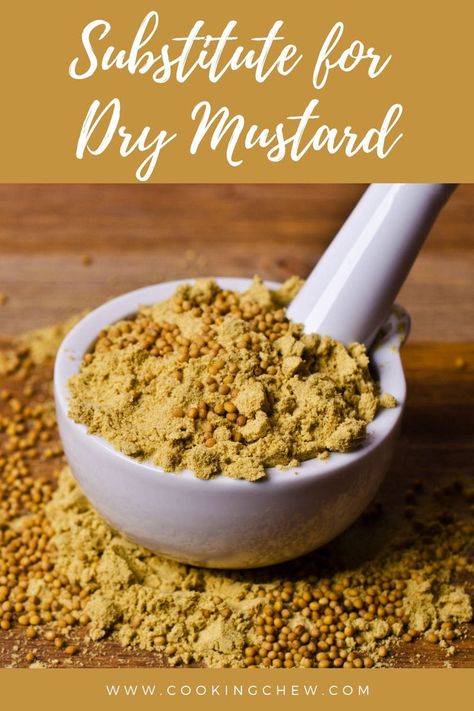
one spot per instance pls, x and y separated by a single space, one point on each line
142 234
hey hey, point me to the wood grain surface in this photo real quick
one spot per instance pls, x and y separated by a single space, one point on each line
141 234
137 235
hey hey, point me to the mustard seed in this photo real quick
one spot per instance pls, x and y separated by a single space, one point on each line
313 621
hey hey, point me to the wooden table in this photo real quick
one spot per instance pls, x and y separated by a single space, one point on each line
137 235
141 234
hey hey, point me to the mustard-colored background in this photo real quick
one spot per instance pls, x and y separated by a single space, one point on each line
43 108
389 689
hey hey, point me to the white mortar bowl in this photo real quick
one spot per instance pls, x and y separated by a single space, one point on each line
223 522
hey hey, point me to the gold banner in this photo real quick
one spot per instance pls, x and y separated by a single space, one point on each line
121 689
101 91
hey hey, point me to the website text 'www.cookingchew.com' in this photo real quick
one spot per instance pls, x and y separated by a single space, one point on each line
235 690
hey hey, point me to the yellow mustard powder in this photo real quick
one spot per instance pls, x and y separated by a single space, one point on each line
222 382
223 618
398 579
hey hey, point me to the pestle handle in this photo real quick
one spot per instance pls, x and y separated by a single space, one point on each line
349 293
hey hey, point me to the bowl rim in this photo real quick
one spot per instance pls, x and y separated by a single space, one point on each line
385 355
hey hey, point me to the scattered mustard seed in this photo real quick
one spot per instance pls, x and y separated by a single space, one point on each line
61 563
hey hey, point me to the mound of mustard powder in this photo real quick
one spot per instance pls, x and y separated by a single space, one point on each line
221 382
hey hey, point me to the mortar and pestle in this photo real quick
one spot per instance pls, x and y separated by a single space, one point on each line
229 523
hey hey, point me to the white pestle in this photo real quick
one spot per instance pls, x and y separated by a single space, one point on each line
350 292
